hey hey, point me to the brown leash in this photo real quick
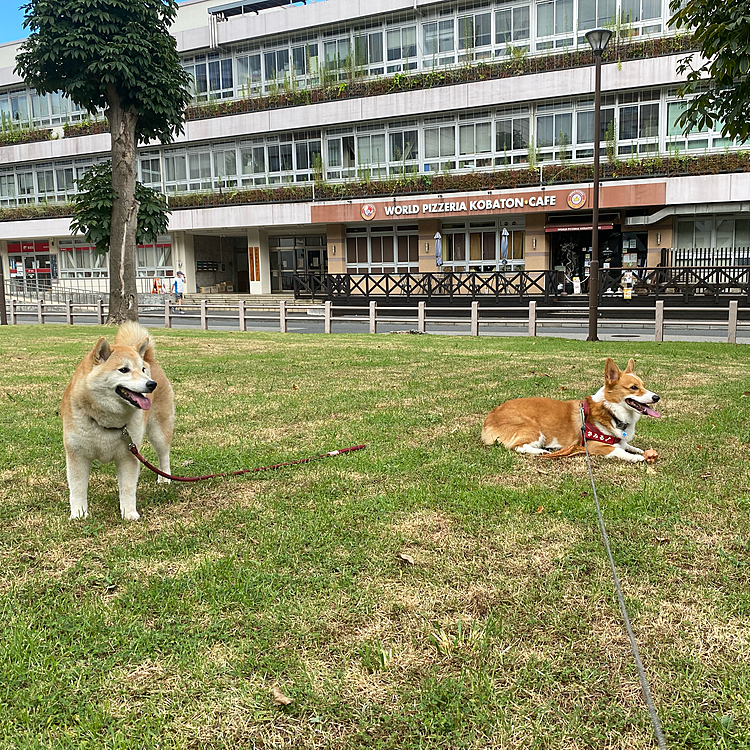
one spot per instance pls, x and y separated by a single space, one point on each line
134 450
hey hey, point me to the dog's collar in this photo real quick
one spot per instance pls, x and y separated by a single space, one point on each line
591 433
118 429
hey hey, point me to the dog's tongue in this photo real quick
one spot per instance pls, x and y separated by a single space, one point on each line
141 400
651 413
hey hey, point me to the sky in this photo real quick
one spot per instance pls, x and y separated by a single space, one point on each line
12 29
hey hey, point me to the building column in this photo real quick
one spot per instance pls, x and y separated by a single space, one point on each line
183 258
259 261
427 230
336 248
659 239
536 245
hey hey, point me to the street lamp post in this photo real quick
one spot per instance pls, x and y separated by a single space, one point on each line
598 39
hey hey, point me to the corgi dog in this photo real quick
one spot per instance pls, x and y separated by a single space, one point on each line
116 387
542 425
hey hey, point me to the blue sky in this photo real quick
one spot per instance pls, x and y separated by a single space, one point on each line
12 28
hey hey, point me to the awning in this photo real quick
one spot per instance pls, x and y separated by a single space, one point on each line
580 222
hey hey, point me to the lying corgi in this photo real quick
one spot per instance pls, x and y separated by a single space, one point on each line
540 425
116 387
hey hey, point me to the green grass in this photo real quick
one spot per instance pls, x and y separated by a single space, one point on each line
505 633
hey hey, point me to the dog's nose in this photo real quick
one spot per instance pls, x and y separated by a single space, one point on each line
152 384
654 398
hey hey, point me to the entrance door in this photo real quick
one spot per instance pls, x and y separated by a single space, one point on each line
243 272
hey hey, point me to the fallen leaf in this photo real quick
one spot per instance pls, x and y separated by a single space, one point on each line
706 475
294 387
540 509
188 462
746 394
650 470
663 539
408 559
279 698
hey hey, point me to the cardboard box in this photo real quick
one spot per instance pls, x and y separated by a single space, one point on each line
229 288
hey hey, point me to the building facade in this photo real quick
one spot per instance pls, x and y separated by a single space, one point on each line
348 137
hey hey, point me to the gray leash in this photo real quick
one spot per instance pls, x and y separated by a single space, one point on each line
636 654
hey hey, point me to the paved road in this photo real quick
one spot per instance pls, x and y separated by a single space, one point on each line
300 322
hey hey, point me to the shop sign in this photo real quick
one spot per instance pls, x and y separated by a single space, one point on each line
470 206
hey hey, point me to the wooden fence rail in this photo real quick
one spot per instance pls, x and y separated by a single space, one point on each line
473 318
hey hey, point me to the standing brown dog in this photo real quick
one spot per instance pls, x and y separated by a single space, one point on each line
116 387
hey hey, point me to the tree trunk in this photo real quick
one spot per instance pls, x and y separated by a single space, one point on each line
123 294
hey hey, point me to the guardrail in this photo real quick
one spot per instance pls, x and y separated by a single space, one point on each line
474 318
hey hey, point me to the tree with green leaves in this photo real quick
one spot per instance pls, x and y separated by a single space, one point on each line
117 56
721 32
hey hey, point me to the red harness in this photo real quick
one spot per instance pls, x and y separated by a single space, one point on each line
591 433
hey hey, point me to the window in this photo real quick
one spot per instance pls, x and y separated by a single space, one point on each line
474 32
175 171
155 259
305 63
639 122
382 249
341 159
401 49
212 76
475 139
642 16
404 152
585 130
280 161
712 241
276 66
253 158
512 28
368 52
482 246
439 143
553 18
249 78
151 170
65 178
512 136
199 170
371 154
45 180
337 54
593 13
79 260
438 43
225 166
554 129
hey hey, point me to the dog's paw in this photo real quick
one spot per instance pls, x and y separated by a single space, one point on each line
634 459
163 480
78 514
131 515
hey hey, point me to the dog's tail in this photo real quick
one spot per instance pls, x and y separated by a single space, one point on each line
132 334
572 450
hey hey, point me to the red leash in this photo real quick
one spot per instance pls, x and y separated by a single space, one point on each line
134 450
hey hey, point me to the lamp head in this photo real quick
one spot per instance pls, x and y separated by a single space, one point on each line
598 39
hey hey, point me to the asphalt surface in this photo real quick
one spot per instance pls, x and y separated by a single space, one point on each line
298 321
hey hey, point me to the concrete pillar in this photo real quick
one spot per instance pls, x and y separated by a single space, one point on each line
659 239
427 230
259 261
536 245
336 248
183 258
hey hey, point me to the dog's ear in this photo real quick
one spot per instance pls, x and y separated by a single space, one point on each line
143 345
101 351
631 366
611 371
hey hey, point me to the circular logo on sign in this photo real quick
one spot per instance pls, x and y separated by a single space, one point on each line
368 212
576 198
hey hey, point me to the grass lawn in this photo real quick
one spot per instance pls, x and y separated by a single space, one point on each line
172 632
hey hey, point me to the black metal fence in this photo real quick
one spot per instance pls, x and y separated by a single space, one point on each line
698 284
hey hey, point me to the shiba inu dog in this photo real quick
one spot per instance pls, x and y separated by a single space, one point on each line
541 425
116 387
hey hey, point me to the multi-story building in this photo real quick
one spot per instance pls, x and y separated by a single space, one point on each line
345 136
